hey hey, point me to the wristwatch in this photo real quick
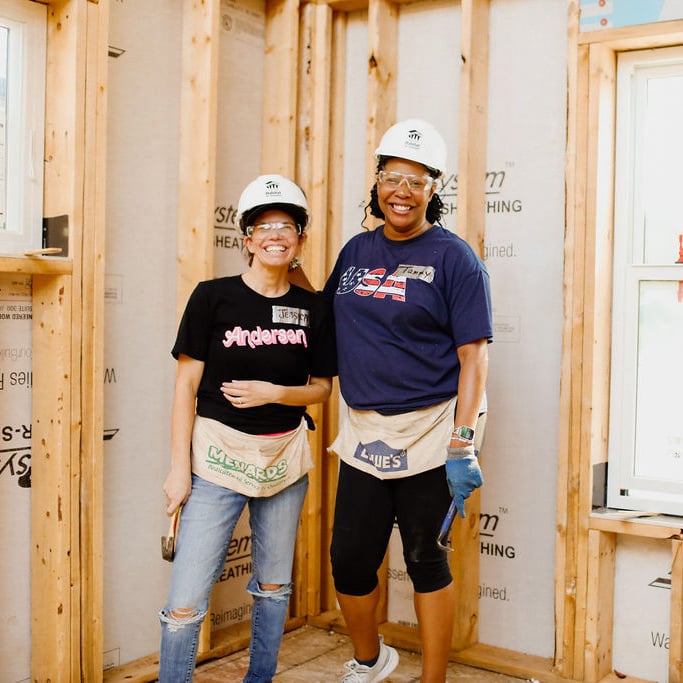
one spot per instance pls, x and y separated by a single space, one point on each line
464 433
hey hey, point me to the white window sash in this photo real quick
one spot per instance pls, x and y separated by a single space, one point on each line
25 97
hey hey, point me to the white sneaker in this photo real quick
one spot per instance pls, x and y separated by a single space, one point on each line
385 664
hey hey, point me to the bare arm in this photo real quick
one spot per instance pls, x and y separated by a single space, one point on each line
251 393
179 480
473 359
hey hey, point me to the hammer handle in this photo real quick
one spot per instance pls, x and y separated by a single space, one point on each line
442 538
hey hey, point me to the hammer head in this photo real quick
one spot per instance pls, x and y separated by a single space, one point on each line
168 542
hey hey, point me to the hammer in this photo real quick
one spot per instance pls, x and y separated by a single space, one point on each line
168 542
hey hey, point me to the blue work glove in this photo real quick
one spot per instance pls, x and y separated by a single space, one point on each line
463 475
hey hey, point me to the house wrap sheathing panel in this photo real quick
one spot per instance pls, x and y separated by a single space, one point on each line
15 474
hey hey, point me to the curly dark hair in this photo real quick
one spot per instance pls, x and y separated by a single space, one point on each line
434 208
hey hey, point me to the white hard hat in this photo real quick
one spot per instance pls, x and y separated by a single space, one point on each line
272 189
415 140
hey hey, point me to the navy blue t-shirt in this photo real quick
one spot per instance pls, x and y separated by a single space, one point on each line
240 334
401 310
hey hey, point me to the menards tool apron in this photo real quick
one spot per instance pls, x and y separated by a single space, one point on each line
253 465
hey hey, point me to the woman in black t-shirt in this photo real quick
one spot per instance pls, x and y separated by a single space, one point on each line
253 351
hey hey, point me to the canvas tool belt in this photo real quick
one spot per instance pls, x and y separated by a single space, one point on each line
391 446
254 465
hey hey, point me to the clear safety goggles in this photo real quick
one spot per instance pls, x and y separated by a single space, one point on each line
284 228
415 183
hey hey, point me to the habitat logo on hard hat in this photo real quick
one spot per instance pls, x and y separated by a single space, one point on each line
414 139
273 189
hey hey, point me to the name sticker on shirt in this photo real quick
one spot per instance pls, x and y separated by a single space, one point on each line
425 273
292 316
382 457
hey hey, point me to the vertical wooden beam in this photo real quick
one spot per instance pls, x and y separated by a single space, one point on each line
68 321
54 653
600 208
197 160
381 113
593 354
579 438
55 567
473 132
566 566
335 168
676 615
600 605
382 77
313 144
91 293
333 230
197 156
280 87
314 131
64 114
584 386
473 129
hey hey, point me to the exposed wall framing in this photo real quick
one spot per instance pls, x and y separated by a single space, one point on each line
586 542
66 497
313 133
473 145
302 139
304 58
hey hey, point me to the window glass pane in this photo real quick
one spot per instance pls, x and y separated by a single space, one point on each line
22 111
662 151
4 33
659 393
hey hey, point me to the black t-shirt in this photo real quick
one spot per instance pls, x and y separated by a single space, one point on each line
240 335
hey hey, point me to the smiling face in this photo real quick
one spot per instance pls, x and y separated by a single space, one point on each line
404 208
273 248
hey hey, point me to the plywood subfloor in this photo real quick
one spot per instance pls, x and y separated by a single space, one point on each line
312 655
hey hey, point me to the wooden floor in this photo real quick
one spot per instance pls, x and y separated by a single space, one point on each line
311 654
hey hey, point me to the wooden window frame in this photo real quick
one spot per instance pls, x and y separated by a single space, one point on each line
587 539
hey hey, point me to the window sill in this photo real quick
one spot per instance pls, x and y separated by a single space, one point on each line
634 523
36 265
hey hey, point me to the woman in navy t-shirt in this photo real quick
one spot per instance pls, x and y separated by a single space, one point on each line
412 315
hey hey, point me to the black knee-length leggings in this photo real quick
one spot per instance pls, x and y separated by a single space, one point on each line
364 515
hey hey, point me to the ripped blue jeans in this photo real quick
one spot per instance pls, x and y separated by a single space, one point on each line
206 526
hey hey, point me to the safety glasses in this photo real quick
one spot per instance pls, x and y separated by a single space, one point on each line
284 228
416 183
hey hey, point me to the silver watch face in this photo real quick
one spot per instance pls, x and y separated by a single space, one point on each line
465 432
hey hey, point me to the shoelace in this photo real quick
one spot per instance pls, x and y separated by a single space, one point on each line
354 675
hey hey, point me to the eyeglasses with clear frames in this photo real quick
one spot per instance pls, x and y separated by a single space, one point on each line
273 228
415 183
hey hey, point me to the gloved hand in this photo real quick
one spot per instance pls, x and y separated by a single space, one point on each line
463 475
